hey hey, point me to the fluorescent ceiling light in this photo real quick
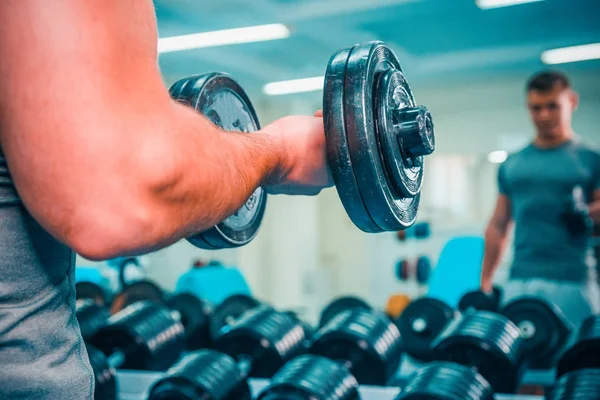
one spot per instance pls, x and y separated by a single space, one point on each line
572 54
487 4
497 157
294 86
259 33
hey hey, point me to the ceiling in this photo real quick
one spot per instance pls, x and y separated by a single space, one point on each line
437 41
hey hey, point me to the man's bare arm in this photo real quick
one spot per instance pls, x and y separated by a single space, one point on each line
495 241
594 208
99 153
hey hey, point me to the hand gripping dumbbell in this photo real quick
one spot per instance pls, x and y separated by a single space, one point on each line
420 323
480 300
543 326
146 336
357 346
256 345
479 354
376 138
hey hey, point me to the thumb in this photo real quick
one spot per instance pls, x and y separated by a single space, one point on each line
319 114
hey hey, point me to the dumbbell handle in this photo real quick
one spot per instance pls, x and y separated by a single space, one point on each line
414 128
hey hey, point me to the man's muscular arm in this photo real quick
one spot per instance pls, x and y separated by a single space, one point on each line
99 153
495 241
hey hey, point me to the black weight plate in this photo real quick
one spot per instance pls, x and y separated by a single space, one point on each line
584 351
266 338
477 300
220 98
202 374
229 311
446 381
104 375
420 323
90 317
389 210
90 290
366 341
582 384
392 93
311 377
138 291
339 305
489 342
147 335
543 331
195 317
338 153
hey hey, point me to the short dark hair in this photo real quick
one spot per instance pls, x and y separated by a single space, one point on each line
544 81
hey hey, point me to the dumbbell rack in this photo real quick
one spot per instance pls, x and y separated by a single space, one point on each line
134 385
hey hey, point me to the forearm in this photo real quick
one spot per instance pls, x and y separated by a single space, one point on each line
189 176
495 243
594 210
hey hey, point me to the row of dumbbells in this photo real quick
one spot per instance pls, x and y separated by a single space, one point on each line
497 347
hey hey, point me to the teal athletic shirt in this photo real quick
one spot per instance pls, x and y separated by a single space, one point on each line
42 355
538 182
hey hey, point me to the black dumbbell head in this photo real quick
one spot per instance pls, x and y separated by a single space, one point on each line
309 377
420 323
583 384
264 336
147 335
230 310
446 381
543 327
489 342
339 305
195 316
365 340
584 350
203 374
105 375
91 317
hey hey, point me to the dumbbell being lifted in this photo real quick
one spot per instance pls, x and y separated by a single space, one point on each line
257 345
376 138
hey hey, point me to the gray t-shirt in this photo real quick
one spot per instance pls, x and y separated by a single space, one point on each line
42 355
538 182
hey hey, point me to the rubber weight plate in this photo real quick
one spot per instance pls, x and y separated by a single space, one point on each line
90 290
446 381
339 305
584 351
311 377
420 323
138 291
366 341
386 137
577 385
541 325
228 311
488 342
222 100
